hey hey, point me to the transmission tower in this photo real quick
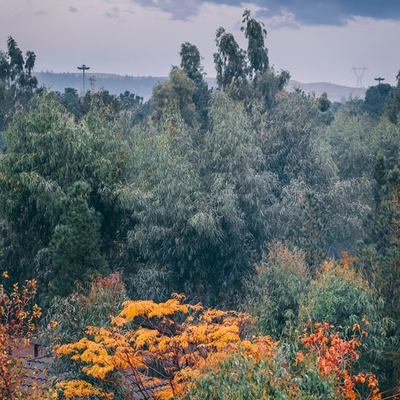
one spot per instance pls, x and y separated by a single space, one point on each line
83 68
359 71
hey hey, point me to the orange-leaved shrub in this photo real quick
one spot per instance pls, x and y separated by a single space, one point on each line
18 324
174 350
149 344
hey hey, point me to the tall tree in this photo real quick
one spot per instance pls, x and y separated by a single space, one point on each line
375 98
392 105
311 235
191 64
46 153
257 53
75 245
203 209
380 260
16 81
177 91
230 64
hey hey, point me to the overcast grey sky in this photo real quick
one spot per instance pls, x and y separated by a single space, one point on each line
315 40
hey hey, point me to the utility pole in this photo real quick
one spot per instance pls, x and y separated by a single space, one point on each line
359 71
379 80
83 69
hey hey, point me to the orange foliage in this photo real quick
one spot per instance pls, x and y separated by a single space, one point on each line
335 357
150 343
346 261
17 327
162 349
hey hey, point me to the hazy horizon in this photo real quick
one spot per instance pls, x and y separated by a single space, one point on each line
315 42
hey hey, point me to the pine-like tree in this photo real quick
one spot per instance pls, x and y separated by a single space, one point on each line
75 245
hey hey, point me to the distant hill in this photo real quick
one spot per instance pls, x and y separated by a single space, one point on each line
115 84
334 92
143 85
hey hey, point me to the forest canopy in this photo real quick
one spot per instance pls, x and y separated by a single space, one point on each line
244 197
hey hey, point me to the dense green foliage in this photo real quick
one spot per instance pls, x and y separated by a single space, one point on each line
16 81
234 196
273 292
240 378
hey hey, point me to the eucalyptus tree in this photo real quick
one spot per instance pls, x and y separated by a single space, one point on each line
257 53
46 153
246 75
16 80
202 207
392 104
350 138
236 67
230 64
177 90
290 138
191 64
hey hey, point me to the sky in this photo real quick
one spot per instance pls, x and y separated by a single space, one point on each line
315 40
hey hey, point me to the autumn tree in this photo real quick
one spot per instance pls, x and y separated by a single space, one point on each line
264 370
342 297
88 305
18 326
175 350
150 343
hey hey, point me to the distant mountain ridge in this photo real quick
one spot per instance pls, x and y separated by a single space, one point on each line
115 84
143 85
337 93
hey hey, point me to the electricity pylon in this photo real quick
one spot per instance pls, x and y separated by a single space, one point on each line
359 71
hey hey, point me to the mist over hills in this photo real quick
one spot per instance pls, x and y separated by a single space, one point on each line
115 84
335 92
143 85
